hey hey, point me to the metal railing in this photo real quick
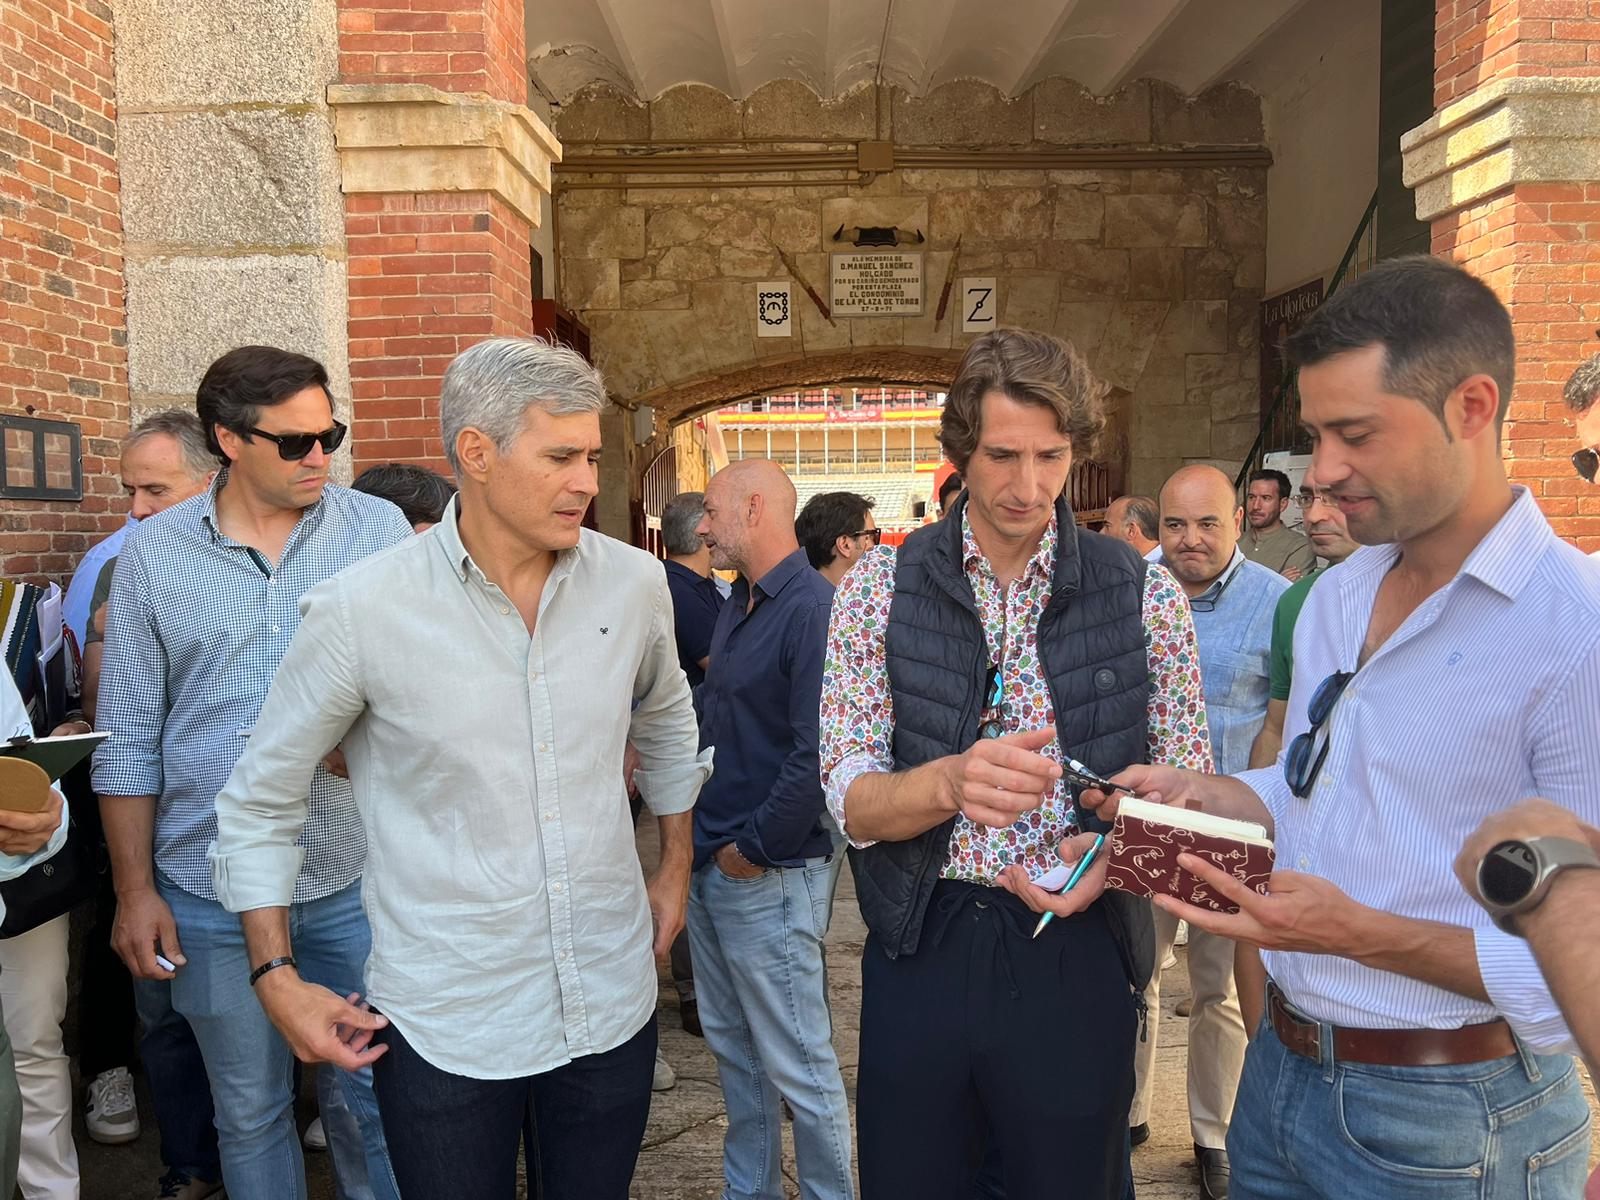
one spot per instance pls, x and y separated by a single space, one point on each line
1280 427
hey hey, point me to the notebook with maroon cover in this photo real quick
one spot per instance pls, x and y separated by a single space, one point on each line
1147 838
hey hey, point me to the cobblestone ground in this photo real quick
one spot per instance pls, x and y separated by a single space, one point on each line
682 1154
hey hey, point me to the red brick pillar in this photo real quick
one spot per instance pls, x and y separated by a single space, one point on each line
1508 172
63 340
435 269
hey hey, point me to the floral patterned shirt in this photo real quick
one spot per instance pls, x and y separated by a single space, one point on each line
858 712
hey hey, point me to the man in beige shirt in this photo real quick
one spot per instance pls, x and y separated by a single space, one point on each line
1267 540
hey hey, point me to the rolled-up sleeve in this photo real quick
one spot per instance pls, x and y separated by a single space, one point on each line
857 716
1565 761
132 704
314 700
672 768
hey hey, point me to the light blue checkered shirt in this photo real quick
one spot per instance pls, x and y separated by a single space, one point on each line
195 628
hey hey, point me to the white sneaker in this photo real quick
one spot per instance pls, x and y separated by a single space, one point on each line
113 1116
315 1137
665 1078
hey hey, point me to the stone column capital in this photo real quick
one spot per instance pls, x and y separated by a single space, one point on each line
1505 132
413 137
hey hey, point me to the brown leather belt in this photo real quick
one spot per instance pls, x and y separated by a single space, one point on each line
1390 1047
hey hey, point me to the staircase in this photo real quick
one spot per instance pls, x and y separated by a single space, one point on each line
1280 427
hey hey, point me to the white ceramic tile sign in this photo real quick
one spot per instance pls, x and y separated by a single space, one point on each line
980 306
774 308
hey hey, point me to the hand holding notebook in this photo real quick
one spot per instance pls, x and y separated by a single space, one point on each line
1147 838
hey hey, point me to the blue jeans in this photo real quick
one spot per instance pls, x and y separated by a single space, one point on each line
1509 1128
456 1138
178 1088
346 1143
249 1064
757 946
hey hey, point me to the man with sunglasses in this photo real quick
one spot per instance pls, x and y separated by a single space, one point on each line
1233 600
1446 670
203 605
836 530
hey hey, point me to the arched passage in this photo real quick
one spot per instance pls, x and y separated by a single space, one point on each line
907 365
674 404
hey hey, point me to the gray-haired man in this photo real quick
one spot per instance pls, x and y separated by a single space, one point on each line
483 721
165 461
696 599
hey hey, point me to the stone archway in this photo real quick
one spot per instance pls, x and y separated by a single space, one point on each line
684 400
909 365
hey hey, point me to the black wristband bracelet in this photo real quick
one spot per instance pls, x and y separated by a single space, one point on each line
272 964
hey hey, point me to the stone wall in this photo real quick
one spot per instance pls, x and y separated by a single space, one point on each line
62 336
230 188
1154 272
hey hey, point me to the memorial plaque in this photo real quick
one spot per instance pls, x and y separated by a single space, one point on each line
876 284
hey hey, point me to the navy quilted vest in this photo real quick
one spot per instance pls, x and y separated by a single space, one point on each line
1092 648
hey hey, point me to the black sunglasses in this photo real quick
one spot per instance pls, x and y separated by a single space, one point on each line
875 534
994 691
1309 751
1586 462
292 447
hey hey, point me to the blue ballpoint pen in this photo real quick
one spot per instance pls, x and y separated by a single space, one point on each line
1072 880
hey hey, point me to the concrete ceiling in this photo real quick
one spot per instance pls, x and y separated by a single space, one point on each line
644 47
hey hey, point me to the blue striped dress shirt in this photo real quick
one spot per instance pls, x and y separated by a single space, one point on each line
195 629
1488 693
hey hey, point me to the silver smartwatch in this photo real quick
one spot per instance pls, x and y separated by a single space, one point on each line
1515 876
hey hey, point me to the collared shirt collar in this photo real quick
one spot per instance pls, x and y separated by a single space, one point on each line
1504 560
448 532
1041 563
688 573
779 577
208 510
1221 581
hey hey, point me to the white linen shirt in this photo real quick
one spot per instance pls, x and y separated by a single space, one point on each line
510 929
1487 694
